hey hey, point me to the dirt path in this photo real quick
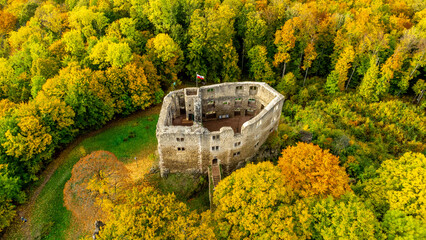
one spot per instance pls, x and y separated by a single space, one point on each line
26 209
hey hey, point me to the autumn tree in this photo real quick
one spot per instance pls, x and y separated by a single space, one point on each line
343 65
96 180
256 202
345 218
143 83
419 89
7 22
6 107
309 56
89 99
89 22
146 214
399 185
167 56
31 132
312 171
58 116
285 41
50 17
26 141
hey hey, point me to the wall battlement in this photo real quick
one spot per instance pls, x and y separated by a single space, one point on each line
224 123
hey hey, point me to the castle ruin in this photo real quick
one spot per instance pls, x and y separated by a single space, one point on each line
218 124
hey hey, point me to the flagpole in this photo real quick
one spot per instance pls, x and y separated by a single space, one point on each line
196 79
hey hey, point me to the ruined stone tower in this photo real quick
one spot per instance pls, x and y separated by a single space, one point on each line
223 123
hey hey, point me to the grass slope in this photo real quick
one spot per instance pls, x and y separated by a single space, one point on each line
50 219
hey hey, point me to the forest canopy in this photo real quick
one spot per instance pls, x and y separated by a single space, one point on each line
352 72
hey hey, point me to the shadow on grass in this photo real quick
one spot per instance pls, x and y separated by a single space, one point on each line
190 189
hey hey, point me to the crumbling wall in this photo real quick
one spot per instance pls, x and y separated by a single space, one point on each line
193 148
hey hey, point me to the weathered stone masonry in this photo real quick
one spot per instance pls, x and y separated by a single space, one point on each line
224 123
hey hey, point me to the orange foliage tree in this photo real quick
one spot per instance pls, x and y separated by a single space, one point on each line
7 22
96 181
312 171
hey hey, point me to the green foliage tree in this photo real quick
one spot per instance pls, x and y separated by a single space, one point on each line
255 31
118 54
332 84
9 191
398 225
211 34
287 85
89 22
7 79
367 89
260 68
346 218
74 43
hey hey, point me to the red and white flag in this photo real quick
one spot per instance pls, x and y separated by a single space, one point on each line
200 77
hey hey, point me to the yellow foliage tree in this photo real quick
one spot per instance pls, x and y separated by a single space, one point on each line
145 214
312 171
285 41
256 203
343 64
401 185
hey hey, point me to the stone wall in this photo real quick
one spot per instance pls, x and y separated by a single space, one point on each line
192 149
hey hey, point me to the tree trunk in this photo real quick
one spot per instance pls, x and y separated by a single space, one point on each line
306 74
420 97
284 69
347 85
300 61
